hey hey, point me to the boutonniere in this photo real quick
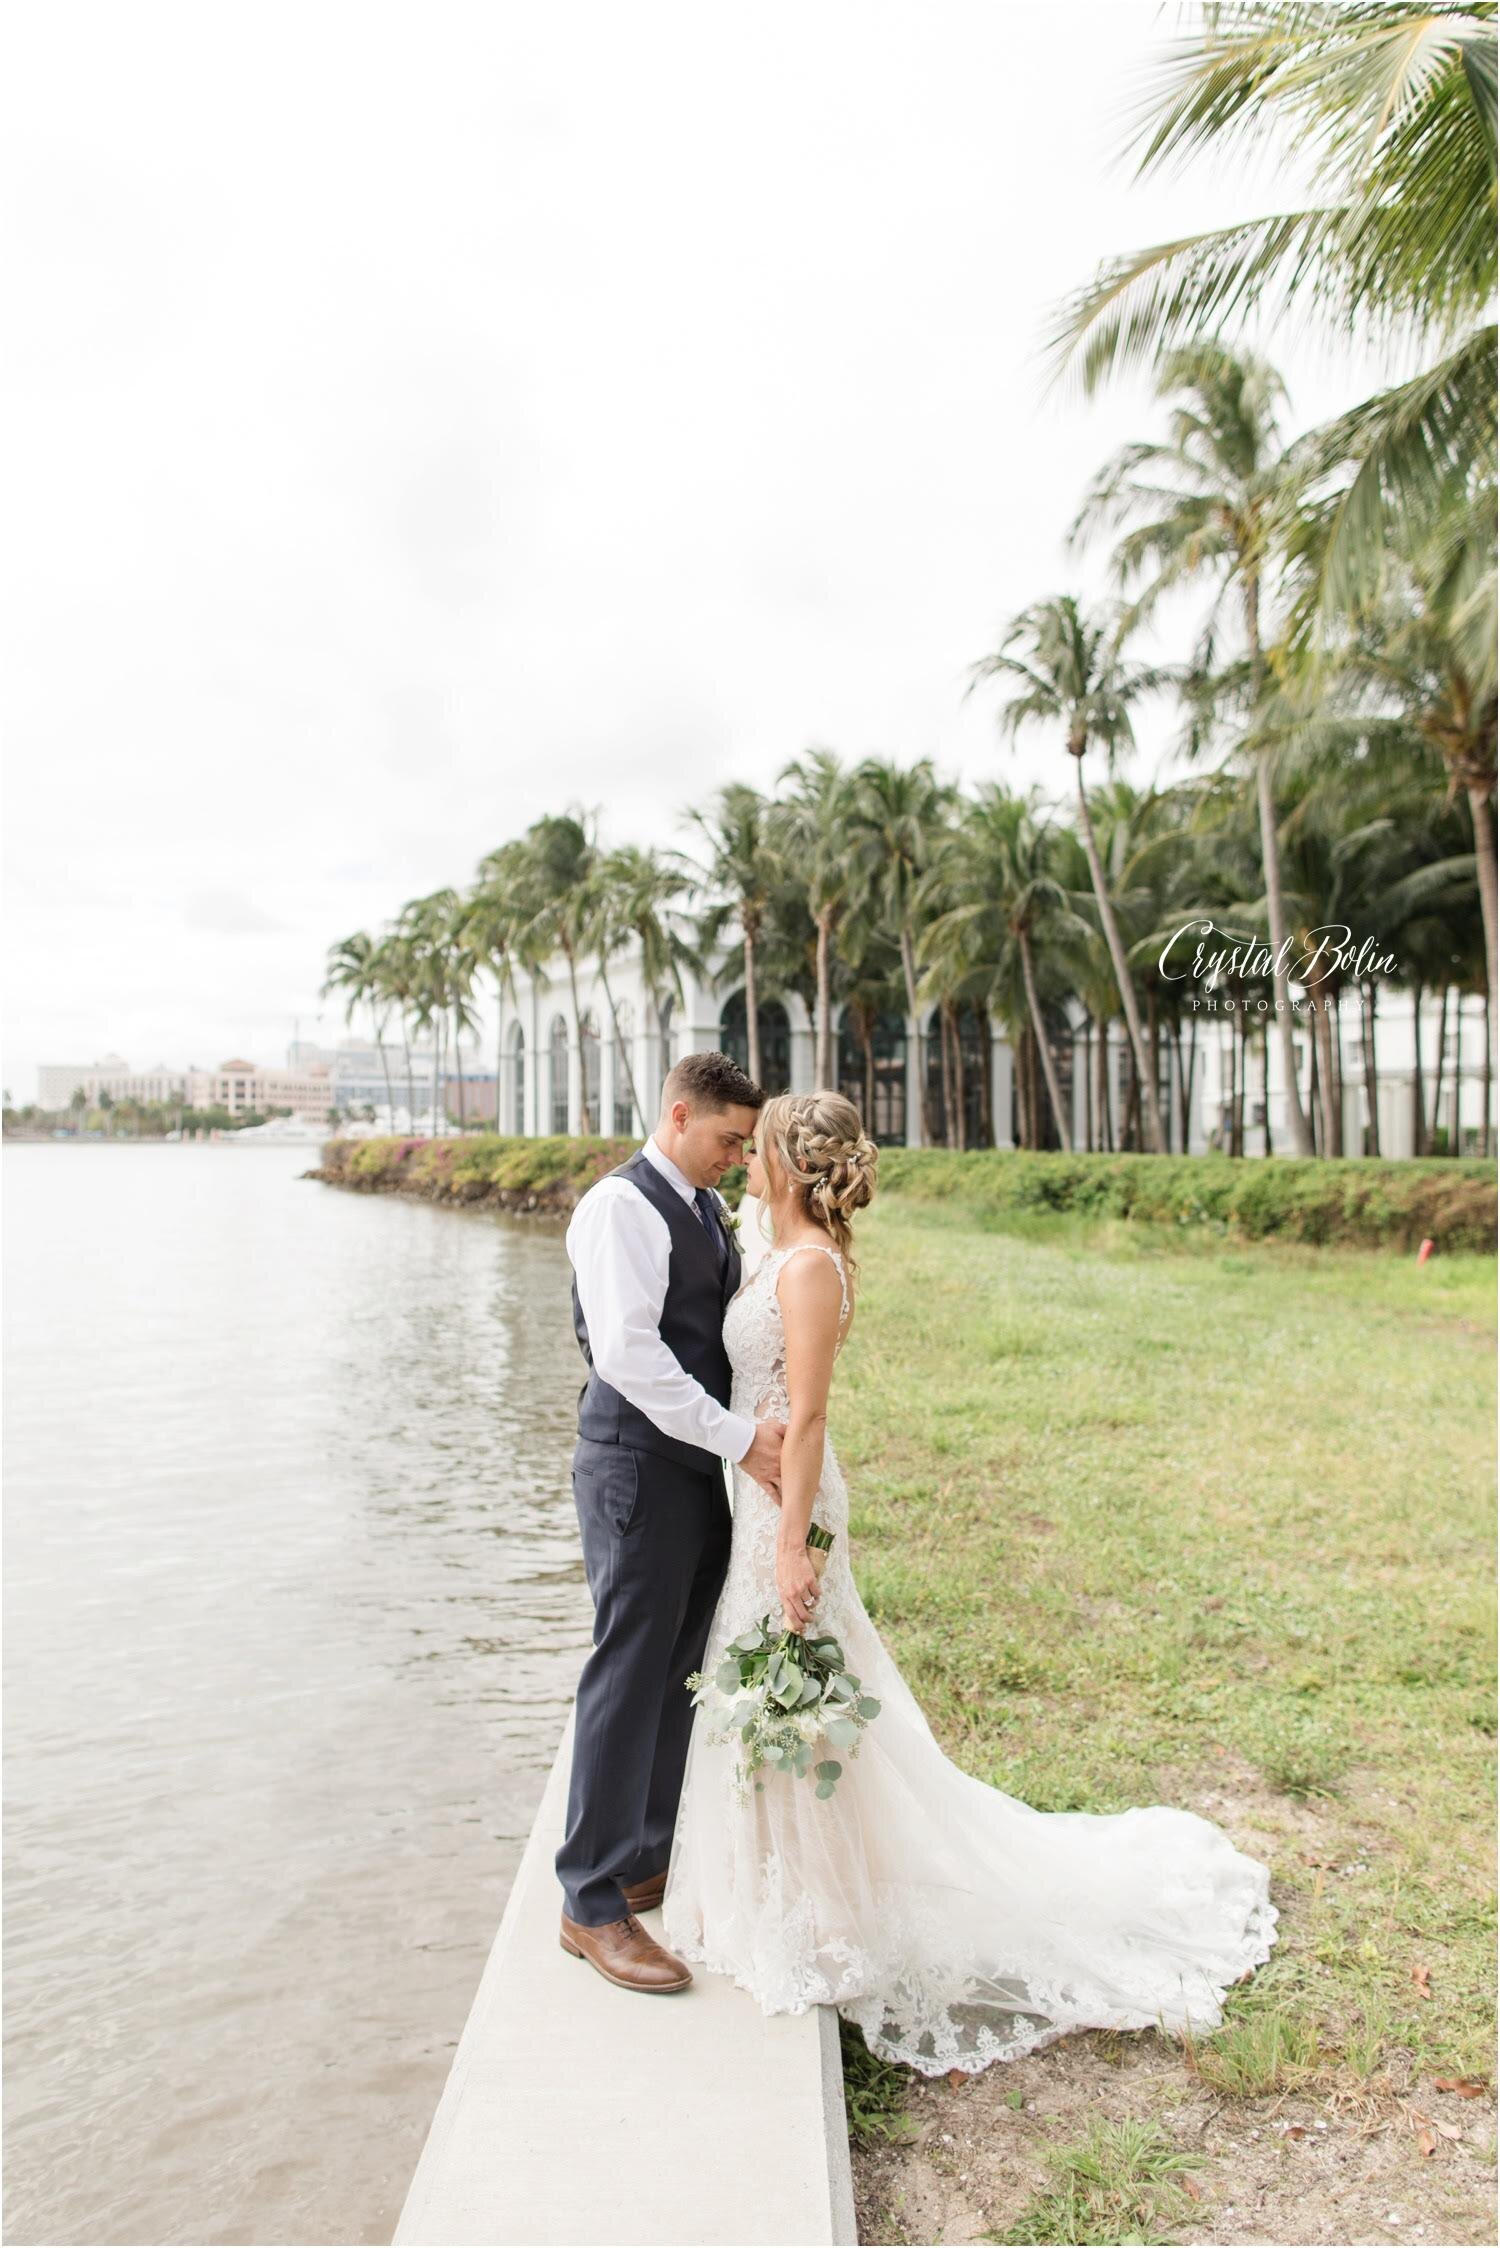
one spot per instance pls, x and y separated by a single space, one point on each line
731 1223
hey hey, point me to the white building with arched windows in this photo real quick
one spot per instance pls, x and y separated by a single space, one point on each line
549 1079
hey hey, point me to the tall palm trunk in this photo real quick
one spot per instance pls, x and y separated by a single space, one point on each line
752 1002
986 1077
458 1057
1324 1031
1270 853
1372 1081
950 1089
501 979
1458 1071
960 1084
1315 1097
823 1057
622 1051
1418 1091
1481 811
1106 1089
1130 1123
411 1106
585 1124
919 1042
1437 1075
1117 957
1088 1082
1044 1044
390 1101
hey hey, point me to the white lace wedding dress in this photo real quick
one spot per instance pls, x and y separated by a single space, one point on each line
956 1925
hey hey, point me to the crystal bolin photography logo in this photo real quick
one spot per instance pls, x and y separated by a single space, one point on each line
1330 956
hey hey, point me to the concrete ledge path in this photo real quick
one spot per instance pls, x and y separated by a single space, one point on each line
580 2116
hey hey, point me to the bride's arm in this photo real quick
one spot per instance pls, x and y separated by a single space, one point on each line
811 1305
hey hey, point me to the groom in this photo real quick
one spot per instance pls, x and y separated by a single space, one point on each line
654 1270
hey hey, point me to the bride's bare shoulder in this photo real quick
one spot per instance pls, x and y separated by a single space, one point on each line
810 1286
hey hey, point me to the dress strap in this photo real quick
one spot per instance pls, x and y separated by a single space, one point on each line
826 1249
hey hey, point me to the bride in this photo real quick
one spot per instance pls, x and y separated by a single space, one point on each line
954 1924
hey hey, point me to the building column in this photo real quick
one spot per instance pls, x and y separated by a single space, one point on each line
804 1058
913 1090
1002 1081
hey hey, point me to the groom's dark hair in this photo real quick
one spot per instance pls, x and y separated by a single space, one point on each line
710 1082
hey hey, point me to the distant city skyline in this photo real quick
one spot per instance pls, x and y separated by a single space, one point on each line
585 406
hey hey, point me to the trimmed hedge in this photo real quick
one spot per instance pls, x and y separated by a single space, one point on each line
1362 1202
510 1174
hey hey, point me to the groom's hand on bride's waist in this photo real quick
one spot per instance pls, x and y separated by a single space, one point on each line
763 1460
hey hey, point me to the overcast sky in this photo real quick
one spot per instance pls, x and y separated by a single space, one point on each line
424 418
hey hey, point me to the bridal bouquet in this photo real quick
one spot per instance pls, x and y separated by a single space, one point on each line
781 1693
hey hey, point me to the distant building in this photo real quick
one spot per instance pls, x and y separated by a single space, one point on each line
57 1082
243 1088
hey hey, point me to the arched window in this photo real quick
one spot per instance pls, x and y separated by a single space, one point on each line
872 1071
624 1059
589 1030
518 1080
559 1053
775 1040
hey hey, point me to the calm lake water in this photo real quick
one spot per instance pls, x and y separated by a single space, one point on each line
294 1609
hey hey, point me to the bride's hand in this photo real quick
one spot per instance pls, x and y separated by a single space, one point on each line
796 1586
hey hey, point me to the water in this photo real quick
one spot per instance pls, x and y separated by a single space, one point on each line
294 1609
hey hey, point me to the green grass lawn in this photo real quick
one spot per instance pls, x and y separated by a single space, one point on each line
1152 1520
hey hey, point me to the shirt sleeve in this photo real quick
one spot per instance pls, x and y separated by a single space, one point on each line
620 1250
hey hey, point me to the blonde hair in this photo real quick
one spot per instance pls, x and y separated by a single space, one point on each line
826 1157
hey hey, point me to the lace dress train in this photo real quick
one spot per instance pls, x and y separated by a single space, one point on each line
955 1924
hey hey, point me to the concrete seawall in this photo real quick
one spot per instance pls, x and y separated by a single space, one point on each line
580 2116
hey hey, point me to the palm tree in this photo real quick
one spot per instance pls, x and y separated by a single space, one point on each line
398 973
894 816
425 925
743 870
654 906
631 895
1073 672
1411 656
555 888
354 968
491 923
812 823
999 864
1395 105
1211 502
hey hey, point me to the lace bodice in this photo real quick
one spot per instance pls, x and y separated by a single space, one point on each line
755 1339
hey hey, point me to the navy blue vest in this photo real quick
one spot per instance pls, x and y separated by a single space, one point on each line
699 1292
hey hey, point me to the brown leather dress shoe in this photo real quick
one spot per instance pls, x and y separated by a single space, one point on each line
624 1953
645 1896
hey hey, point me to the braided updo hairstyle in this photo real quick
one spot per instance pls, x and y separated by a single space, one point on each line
826 1156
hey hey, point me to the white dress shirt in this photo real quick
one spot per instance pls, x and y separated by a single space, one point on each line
620 1248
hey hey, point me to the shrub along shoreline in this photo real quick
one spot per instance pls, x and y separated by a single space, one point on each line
1358 1202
